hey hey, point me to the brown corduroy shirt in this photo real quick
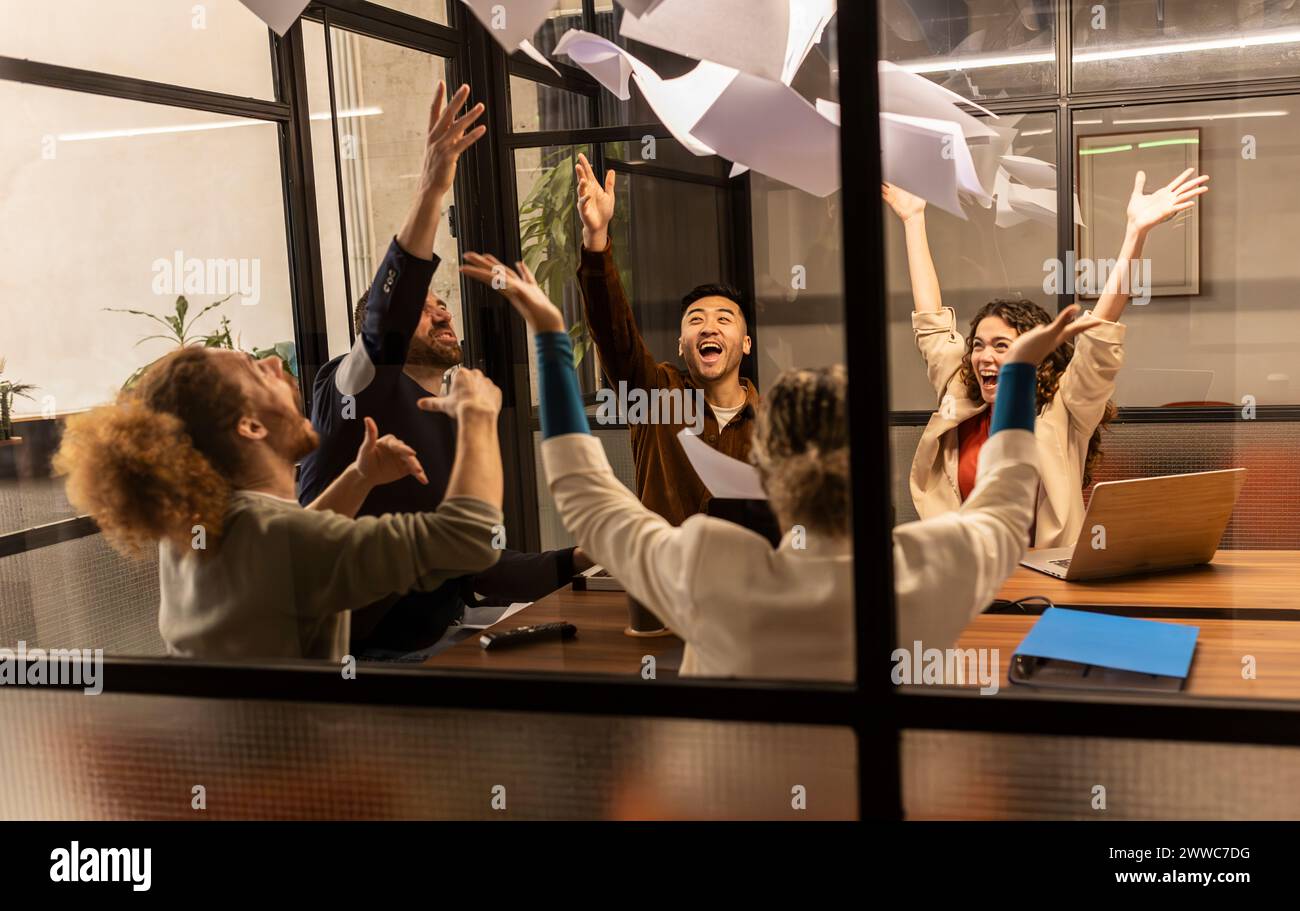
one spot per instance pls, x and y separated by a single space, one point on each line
665 480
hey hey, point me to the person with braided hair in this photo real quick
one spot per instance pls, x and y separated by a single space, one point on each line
743 608
1075 383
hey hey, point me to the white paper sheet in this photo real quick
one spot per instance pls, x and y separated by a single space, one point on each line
487 617
724 476
987 154
280 15
678 103
929 158
1018 202
639 7
767 126
511 21
808 19
907 93
1041 175
747 35
526 47
601 58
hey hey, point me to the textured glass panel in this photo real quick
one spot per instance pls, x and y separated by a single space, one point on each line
618 449
979 50
958 775
138 757
1166 42
216 45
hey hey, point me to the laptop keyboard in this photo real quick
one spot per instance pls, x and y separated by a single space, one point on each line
1064 564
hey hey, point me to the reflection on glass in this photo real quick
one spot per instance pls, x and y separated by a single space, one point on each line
381 92
535 106
212 242
979 50
216 45
433 10
1132 42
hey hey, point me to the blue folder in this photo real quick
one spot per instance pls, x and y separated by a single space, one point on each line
1123 643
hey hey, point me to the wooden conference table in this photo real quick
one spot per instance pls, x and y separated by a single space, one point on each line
1246 602
601 647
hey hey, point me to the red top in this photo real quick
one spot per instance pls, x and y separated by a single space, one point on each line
971 434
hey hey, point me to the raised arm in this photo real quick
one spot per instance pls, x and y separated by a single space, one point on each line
948 568
396 297
474 402
920 265
380 460
1145 211
623 352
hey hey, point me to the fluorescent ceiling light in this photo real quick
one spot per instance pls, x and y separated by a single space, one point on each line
976 62
1200 117
201 127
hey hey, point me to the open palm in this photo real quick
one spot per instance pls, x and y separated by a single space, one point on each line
1146 210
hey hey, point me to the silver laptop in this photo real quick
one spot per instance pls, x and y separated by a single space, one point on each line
1146 525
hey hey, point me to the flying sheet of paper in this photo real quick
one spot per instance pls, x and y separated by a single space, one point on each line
808 20
1035 203
678 103
907 93
724 476
747 35
929 158
601 58
767 126
511 21
280 15
526 47
485 617
1041 175
1007 217
639 7
987 154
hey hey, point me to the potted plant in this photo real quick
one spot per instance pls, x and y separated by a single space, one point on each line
8 390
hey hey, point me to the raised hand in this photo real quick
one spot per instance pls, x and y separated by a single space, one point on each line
471 393
447 138
520 288
904 204
1032 346
382 460
595 205
1146 210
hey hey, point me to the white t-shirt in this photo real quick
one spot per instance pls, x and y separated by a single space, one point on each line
724 415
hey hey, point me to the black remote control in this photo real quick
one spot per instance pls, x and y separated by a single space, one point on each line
521 634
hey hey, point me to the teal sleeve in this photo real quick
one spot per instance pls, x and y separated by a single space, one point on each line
1017 401
559 398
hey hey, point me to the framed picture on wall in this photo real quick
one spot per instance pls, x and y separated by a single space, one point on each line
1106 165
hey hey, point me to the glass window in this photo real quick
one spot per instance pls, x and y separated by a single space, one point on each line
668 65
663 152
216 45
382 94
1235 333
979 50
535 106
1151 42
550 237
433 10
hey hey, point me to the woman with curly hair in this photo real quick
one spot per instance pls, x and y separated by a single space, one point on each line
743 608
1074 383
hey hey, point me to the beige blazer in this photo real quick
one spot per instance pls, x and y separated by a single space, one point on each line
1062 431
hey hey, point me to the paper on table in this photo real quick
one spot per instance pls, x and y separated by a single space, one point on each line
929 158
724 476
485 617
748 35
280 15
511 21
1102 640
767 126
1041 175
526 47
902 92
